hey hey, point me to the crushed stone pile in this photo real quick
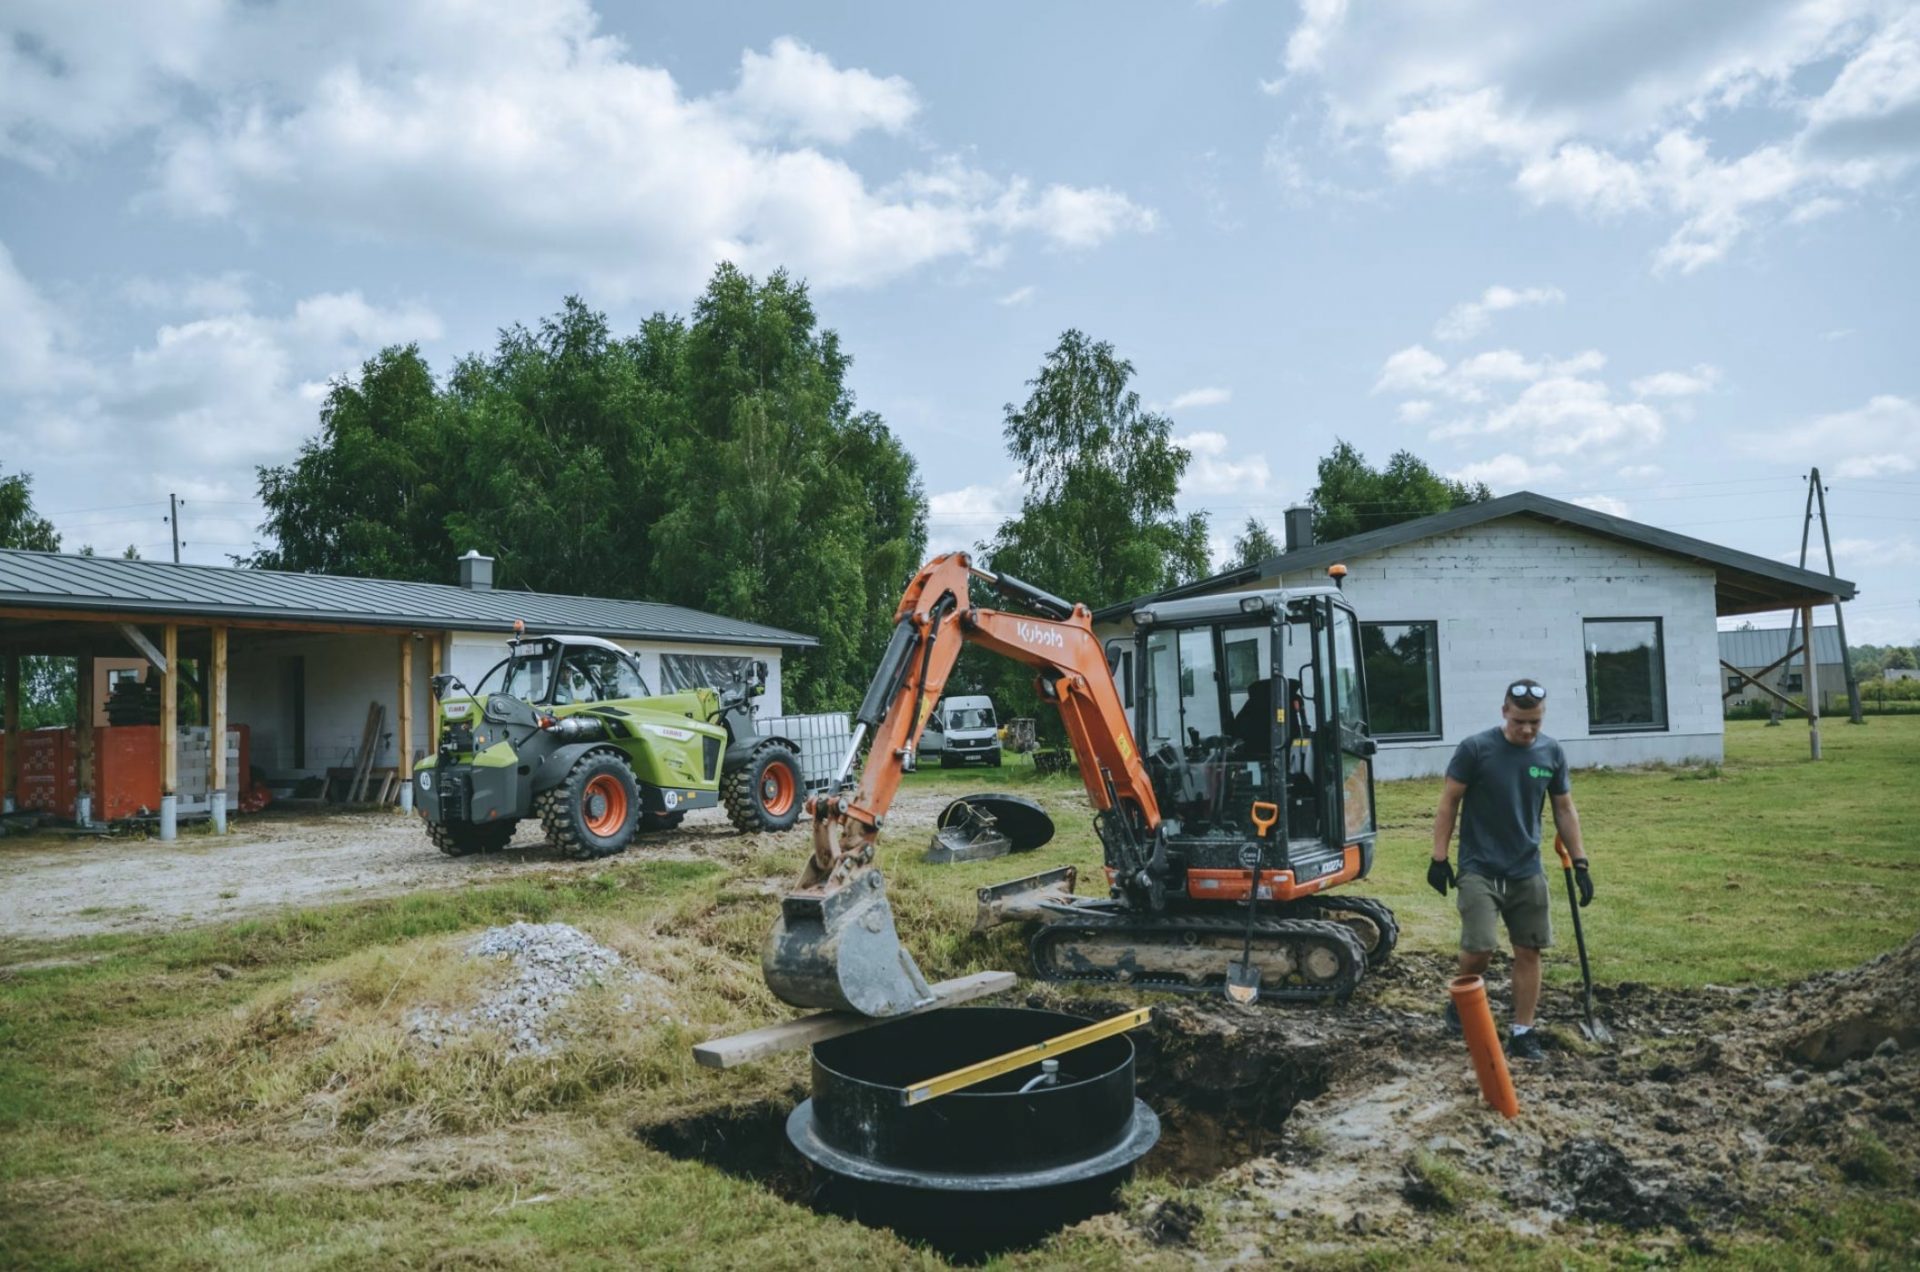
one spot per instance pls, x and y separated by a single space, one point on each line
551 962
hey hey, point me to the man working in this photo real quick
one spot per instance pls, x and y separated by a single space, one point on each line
1500 778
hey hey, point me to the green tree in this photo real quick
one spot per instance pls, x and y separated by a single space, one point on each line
1899 658
1098 523
1353 497
1254 544
792 508
20 525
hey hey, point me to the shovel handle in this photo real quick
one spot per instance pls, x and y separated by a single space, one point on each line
1566 858
1264 817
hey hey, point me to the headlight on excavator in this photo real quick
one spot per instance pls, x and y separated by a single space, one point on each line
1253 605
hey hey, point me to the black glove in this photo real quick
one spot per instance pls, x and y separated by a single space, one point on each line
1583 881
1440 876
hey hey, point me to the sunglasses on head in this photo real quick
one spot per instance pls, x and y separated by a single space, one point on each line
1522 689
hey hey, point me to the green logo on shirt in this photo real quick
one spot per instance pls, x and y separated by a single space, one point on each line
1534 770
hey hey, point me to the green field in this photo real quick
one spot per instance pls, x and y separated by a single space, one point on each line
244 1095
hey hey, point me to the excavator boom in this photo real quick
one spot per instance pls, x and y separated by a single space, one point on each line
835 945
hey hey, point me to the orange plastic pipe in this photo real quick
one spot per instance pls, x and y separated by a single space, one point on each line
1483 1043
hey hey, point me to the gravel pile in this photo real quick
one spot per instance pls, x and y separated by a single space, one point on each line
551 963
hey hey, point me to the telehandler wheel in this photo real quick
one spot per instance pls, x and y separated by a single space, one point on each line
595 808
765 793
457 839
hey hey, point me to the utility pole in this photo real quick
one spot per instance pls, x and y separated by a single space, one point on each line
1839 621
173 520
1793 623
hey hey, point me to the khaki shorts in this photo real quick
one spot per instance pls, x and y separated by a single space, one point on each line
1522 903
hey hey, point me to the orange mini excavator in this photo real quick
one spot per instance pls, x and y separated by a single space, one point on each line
1229 762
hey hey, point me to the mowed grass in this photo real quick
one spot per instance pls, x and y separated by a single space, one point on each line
243 1095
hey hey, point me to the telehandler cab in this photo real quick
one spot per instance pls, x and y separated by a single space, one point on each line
566 730
1238 795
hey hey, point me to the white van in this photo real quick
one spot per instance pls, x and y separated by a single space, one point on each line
962 730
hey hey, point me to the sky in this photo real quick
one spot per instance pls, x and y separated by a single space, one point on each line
1658 259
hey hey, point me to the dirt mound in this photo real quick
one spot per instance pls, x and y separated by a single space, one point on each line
1846 1015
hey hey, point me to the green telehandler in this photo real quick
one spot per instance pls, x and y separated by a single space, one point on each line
564 729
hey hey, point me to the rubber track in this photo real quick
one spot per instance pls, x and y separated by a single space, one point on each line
1170 930
1375 911
554 819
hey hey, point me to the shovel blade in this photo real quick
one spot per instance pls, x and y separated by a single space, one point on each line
1243 982
1594 1031
839 951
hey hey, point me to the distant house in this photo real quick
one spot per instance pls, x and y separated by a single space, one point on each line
1900 673
1616 618
1761 647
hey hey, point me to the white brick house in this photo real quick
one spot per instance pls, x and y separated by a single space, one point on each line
1616 618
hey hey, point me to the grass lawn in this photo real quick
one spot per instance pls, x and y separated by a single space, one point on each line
244 1094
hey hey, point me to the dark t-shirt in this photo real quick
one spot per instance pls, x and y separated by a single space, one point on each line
1500 816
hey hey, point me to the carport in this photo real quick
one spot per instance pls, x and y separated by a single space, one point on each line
308 663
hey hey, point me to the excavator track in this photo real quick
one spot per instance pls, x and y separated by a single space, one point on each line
1300 960
1371 921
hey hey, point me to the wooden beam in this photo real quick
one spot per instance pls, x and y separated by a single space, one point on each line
1763 688
434 643
83 734
790 1035
162 662
403 745
217 729
1810 661
169 712
10 721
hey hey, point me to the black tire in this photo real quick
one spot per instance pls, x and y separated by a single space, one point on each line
457 839
594 810
765 793
662 821
946 761
995 761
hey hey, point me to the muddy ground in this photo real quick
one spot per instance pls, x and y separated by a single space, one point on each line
1713 1111
61 885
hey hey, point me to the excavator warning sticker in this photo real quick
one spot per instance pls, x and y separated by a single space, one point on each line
1125 744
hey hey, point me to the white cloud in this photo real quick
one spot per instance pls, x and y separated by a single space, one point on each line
1414 411
1565 415
1214 468
522 134
1507 471
1640 472
1674 384
1193 399
960 519
800 93
1881 438
1018 296
33 343
1608 110
1416 369
1853 553
1603 503
1471 317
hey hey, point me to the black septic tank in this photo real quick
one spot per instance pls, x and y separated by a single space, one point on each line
984 1168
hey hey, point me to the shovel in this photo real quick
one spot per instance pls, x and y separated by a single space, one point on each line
1590 1029
1243 978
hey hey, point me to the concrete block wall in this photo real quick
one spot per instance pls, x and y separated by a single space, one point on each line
342 675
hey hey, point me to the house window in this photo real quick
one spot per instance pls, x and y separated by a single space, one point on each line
1403 678
1736 683
1626 675
1794 682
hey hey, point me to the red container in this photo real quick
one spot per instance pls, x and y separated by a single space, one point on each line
126 771
46 772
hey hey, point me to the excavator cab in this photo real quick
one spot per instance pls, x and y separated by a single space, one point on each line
1256 697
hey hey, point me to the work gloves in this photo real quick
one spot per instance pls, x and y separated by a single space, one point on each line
1440 876
1583 881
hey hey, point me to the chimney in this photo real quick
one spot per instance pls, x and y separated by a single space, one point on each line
1299 527
476 571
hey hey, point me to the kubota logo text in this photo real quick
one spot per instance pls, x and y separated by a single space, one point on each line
1035 634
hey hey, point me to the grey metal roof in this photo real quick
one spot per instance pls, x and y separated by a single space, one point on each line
50 580
1743 583
1763 646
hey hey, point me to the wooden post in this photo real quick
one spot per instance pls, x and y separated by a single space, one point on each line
10 721
216 680
1811 661
433 703
170 732
403 744
83 739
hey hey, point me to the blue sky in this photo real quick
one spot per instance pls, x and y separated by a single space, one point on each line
1658 258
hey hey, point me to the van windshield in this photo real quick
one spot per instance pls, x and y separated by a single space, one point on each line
970 718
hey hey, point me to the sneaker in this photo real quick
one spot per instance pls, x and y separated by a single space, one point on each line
1525 1046
1452 1018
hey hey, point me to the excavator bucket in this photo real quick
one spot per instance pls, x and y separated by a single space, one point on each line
981 827
838 951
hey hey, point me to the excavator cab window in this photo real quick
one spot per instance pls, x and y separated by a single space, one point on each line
1207 724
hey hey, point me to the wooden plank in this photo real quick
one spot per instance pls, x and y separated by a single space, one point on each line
357 789
217 718
138 639
790 1035
170 711
403 742
433 704
10 750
